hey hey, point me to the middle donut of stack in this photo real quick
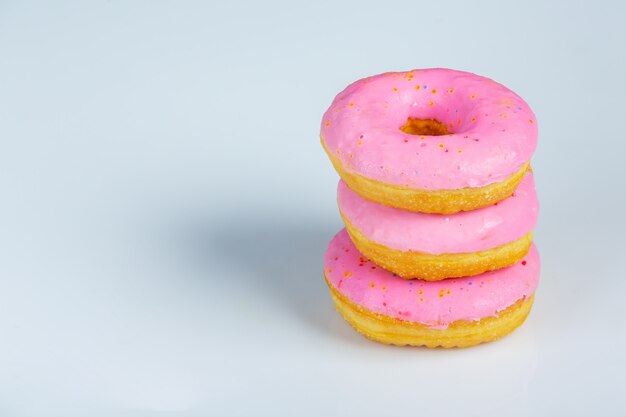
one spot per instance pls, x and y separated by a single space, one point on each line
432 247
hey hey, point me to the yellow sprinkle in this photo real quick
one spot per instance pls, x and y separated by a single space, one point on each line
351 104
431 103
327 124
440 293
395 89
347 274
460 151
441 145
360 143
420 292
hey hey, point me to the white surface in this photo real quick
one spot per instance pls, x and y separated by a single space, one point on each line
166 204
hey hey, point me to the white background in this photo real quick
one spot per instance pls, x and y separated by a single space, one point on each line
165 205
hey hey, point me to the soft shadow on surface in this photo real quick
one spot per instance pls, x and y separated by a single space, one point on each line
280 260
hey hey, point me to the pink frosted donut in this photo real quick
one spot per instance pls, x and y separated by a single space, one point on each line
437 246
432 140
453 312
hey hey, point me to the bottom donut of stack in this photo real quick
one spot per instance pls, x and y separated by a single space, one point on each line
456 312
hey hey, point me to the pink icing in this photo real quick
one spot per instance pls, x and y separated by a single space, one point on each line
494 132
469 231
435 304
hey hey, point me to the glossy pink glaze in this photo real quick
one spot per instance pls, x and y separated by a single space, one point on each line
494 132
469 231
435 304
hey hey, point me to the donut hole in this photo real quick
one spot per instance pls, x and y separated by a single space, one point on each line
424 127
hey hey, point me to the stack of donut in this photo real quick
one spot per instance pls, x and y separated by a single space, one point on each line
439 205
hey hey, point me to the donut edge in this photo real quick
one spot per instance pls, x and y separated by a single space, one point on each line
459 334
429 267
428 201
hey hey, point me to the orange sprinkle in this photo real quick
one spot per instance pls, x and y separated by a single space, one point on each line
351 104
384 288
450 90
418 87
434 91
347 274
441 145
360 143
395 89
421 299
472 96
420 292
448 292
327 123
473 119
531 120
330 270
460 151
431 103
372 284
440 293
